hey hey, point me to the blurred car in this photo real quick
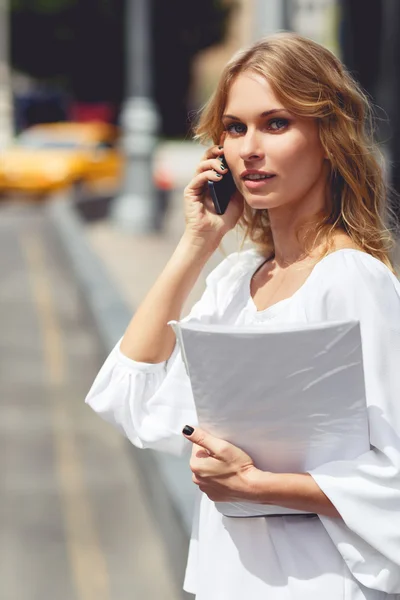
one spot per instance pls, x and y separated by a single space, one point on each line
49 157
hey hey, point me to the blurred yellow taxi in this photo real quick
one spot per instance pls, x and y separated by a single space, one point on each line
49 157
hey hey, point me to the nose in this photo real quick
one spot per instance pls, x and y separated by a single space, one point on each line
251 147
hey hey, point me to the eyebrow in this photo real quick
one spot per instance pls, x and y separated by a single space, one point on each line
266 113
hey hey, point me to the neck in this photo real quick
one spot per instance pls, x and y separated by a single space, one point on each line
294 228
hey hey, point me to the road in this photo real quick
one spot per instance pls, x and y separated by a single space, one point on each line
75 522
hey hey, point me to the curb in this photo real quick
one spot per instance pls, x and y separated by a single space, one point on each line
166 478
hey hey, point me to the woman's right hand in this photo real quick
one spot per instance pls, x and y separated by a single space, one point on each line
202 222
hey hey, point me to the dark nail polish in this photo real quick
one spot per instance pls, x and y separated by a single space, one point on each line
223 165
220 147
218 174
187 430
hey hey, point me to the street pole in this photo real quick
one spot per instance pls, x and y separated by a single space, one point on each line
135 208
6 129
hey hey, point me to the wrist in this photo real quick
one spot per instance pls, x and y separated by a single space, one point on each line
260 485
190 257
200 245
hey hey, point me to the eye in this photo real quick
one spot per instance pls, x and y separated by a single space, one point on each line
235 128
277 124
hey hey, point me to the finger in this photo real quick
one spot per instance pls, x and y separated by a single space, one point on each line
198 183
200 452
213 151
213 163
207 441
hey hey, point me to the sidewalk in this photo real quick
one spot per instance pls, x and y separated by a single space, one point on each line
76 517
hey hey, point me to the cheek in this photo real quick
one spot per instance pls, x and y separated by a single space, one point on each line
232 159
298 154
231 156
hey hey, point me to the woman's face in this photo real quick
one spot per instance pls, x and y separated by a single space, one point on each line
275 157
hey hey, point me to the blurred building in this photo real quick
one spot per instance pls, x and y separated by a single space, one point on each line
370 40
6 131
316 19
209 63
251 19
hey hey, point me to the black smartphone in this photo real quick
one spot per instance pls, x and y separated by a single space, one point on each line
221 192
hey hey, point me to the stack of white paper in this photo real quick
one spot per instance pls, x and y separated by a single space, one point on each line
292 397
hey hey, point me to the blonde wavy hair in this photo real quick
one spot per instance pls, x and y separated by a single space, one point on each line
311 82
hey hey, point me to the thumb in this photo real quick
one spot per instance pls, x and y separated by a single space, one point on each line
201 438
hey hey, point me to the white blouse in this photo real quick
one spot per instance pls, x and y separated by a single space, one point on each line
293 557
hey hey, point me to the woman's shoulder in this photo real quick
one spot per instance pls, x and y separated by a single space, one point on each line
350 266
353 280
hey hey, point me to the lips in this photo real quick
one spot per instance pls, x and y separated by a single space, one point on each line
255 175
258 182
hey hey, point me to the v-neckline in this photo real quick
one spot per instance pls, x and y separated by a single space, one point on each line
277 305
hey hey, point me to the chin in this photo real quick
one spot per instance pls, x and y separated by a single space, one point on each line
260 202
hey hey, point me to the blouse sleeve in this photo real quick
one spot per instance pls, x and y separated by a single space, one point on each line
366 491
151 403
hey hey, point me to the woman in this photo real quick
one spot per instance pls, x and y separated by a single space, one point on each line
293 128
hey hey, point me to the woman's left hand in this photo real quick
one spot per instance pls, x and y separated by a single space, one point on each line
220 469
225 473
